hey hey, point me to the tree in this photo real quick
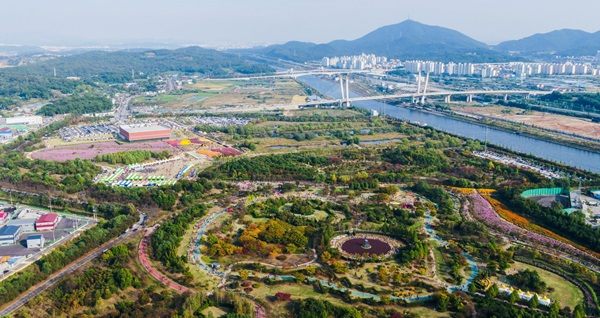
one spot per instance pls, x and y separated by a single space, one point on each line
534 302
513 298
472 288
441 300
493 291
326 256
243 274
579 312
554 309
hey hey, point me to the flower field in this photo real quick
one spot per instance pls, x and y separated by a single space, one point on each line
209 153
89 151
227 152
488 210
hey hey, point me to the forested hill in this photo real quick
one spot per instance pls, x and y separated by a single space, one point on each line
116 67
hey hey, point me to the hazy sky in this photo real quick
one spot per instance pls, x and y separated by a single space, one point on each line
276 21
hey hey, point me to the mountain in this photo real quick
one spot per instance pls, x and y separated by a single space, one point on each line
559 42
405 40
20 49
117 66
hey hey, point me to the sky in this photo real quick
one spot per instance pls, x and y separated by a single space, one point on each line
237 22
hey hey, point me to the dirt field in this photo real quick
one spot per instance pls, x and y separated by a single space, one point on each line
579 126
218 94
547 200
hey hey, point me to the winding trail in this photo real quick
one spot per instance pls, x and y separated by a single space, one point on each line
143 254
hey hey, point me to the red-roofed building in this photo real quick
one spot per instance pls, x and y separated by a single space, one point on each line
47 222
5 133
3 217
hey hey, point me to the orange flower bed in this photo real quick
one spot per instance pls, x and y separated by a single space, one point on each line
522 222
465 191
209 153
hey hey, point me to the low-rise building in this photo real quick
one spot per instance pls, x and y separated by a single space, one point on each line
35 241
5 133
27 225
9 235
3 217
47 222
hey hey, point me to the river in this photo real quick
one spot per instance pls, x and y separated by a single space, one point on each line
574 157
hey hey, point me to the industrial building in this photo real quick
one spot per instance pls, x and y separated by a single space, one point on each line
144 133
9 235
47 222
23 120
27 225
35 241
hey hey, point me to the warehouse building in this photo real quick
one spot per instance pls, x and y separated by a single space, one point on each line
35 241
24 120
144 133
27 225
47 222
9 235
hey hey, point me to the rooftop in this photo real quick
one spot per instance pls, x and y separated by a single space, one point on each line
35 237
50 217
9 230
135 129
21 221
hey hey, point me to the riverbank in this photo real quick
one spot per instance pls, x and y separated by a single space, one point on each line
512 127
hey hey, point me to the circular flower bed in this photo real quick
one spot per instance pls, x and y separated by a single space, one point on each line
380 247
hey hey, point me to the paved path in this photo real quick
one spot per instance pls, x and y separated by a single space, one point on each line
143 254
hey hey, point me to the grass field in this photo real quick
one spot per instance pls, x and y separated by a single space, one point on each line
215 311
566 293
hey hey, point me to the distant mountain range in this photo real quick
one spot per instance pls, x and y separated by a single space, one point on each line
561 42
413 40
405 40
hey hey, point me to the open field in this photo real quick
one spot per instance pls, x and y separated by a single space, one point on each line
566 293
568 124
218 94
89 151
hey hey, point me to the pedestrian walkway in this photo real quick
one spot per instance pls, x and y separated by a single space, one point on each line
143 254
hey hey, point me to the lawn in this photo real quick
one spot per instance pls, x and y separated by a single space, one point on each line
566 293
215 311
442 269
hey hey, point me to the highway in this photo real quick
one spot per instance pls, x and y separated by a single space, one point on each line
53 279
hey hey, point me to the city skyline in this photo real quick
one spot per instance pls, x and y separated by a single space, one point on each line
233 22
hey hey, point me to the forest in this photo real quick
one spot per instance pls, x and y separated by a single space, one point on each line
116 67
133 156
84 104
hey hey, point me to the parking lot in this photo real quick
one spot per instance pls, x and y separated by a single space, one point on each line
89 132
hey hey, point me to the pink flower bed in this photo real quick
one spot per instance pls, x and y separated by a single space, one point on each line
89 151
484 212
228 151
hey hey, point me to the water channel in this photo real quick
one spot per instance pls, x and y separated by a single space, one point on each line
586 160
